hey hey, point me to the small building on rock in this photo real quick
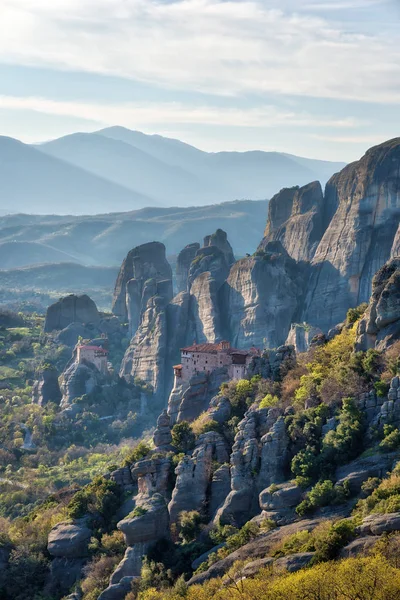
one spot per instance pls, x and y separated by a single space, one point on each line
205 358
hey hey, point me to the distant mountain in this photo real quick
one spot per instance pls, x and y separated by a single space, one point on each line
33 182
105 239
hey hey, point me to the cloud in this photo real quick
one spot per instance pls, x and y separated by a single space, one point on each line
144 114
225 48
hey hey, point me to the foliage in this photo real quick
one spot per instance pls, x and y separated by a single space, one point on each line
354 314
142 450
138 511
189 525
102 497
268 401
96 576
372 578
391 439
322 494
385 498
183 438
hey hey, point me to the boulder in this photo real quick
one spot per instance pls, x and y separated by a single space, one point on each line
203 557
376 524
71 309
69 540
64 573
129 566
294 562
281 497
77 380
150 526
119 590
252 568
361 469
362 545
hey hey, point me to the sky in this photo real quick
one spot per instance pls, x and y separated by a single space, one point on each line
317 78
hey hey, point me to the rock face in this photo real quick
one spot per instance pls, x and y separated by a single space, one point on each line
360 235
77 380
380 326
46 388
71 309
144 262
162 437
261 297
69 540
184 260
188 400
297 218
219 239
301 335
378 524
146 356
194 474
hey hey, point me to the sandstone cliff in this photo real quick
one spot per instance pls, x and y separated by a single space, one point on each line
144 262
360 236
297 218
380 326
261 297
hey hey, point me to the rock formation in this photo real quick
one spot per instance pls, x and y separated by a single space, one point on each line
183 262
297 218
220 240
162 437
261 297
71 309
194 474
46 388
144 262
360 235
301 335
380 326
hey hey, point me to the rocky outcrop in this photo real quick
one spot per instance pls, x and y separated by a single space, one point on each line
219 239
183 262
162 437
77 380
380 326
360 235
261 297
205 308
147 353
274 455
273 364
152 476
144 262
69 540
301 335
46 388
68 545
396 244
378 524
189 399
297 218
71 309
141 531
194 475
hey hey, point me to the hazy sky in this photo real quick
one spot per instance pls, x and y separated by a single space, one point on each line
319 78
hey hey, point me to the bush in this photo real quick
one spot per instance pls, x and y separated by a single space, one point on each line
269 401
353 314
322 494
189 525
183 438
138 453
102 496
391 440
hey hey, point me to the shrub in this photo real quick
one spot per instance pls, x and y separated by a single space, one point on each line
189 525
138 453
183 438
138 511
391 440
353 314
101 496
322 494
269 401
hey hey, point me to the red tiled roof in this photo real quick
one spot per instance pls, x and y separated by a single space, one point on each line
214 348
177 367
97 348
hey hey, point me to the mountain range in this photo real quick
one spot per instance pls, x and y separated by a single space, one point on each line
116 169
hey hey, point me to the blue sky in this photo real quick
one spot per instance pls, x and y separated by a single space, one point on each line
318 78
